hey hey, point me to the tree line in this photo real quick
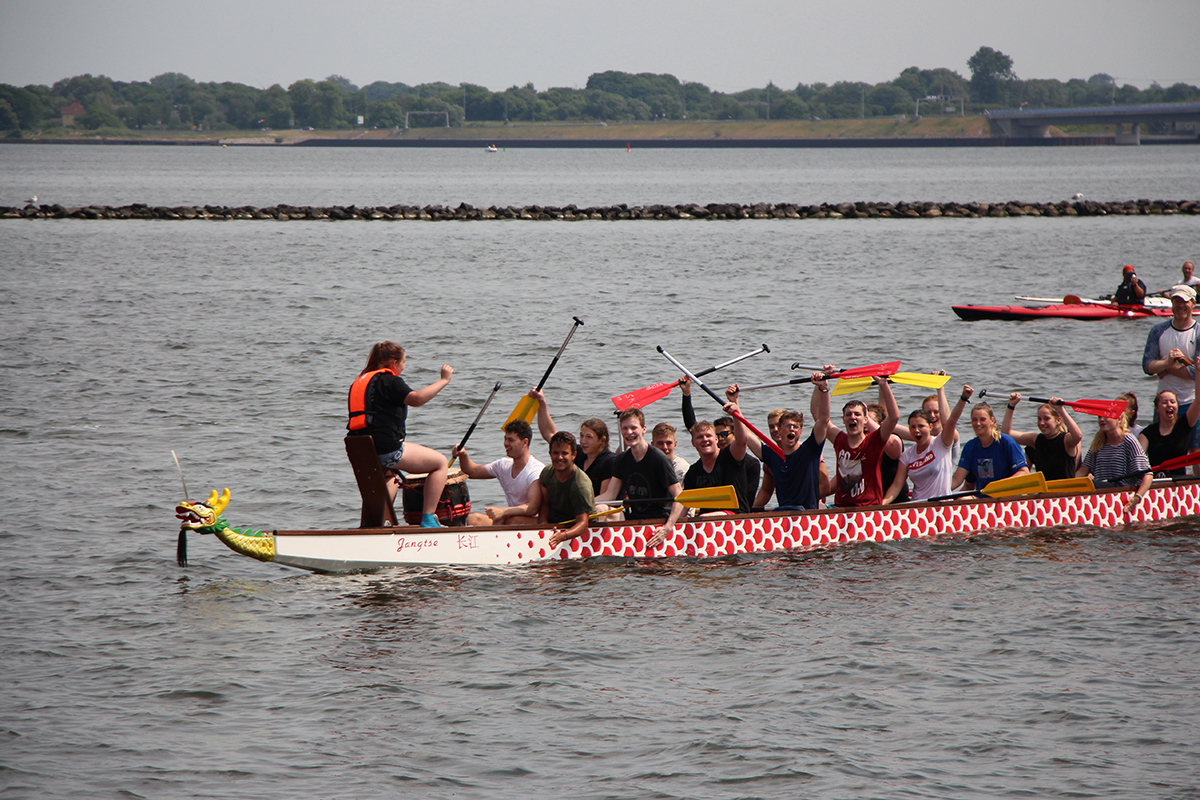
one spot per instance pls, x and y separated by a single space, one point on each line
173 101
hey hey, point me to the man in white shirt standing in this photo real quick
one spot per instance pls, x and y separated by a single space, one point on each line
518 473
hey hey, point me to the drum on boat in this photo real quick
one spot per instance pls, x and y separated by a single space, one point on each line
452 507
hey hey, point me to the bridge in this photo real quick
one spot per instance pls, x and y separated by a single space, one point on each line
1035 123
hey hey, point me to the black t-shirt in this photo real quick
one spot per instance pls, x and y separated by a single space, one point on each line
601 469
727 471
650 477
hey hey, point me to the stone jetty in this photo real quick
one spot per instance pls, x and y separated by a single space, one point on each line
724 211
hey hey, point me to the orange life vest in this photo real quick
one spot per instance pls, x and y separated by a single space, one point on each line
358 400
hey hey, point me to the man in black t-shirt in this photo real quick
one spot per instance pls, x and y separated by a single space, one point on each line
641 472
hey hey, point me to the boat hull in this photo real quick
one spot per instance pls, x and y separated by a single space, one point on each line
355 550
1059 311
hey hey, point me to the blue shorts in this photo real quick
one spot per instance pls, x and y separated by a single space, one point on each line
392 460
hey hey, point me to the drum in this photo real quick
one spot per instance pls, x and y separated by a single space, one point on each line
452 507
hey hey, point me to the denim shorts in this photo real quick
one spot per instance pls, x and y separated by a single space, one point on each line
392 460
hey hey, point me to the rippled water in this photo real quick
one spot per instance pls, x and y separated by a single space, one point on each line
1043 663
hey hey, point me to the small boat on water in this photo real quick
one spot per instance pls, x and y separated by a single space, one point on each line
363 549
491 148
1070 307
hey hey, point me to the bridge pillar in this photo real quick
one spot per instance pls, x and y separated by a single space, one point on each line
1133 137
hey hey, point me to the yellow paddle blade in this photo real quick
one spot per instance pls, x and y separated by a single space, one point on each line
1083 484
852 385
526 409
713 497
1031 483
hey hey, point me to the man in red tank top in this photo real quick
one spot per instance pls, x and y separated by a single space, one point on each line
859 451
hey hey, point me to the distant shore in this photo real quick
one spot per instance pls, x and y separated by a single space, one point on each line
878 132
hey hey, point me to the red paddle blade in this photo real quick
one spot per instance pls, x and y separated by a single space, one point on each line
890 368
640 398
1179 462
1100 408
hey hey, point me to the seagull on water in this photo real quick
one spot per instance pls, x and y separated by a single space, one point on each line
1077 196
31 200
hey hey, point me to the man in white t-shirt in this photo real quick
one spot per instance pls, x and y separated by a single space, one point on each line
1171 348
518 473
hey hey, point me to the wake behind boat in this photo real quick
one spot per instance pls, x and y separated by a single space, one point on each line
362 549
1068 307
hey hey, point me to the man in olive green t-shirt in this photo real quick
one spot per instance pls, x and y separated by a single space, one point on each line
568 490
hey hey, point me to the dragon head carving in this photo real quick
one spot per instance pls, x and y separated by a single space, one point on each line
203 517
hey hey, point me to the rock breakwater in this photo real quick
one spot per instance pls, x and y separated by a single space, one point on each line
721 211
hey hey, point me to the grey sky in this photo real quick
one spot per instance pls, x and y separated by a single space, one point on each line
727 45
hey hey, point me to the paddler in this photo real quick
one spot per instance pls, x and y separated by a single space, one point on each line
797 475
1115 459
379 402
859 450
518 473
641 472
567 490
1171 348
991 455
1131 292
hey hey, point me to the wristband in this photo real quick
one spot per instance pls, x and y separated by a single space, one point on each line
965 399
1012 407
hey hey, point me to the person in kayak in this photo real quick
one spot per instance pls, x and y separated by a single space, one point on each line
1116 459
1131 292
379 402
1170 435
1055 444
991 455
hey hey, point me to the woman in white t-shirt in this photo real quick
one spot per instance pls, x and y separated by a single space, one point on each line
927 462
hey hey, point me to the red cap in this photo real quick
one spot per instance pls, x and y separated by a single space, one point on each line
1128 268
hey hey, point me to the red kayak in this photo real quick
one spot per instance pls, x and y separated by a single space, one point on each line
1061 311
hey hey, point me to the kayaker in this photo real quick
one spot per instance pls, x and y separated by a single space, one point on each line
797 474
518 473
1170 435
641 472
379 402
991 455
929 462
859 450
1131 292
567 490
1055 444
594 455
1189 277
1113 456
717 466
1171 348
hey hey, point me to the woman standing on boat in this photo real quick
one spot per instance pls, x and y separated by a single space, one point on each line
1055 444
1116 459
1168 437
379 403
991 455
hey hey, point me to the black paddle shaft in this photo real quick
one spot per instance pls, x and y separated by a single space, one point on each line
554 362
479 416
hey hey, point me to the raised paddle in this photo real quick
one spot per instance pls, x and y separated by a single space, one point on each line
640 398
873 370
708 497
478 417
1097 408
762 437
527 407
924 380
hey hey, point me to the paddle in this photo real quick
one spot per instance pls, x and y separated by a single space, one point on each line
873 370
926 381
710 497
762 437
1097 408
527 407
640 398
1179 462
1083 484
478 417
1030 483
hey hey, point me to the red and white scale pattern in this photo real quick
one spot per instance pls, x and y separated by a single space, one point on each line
722 537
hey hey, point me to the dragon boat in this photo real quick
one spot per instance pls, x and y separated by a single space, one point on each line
365 549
